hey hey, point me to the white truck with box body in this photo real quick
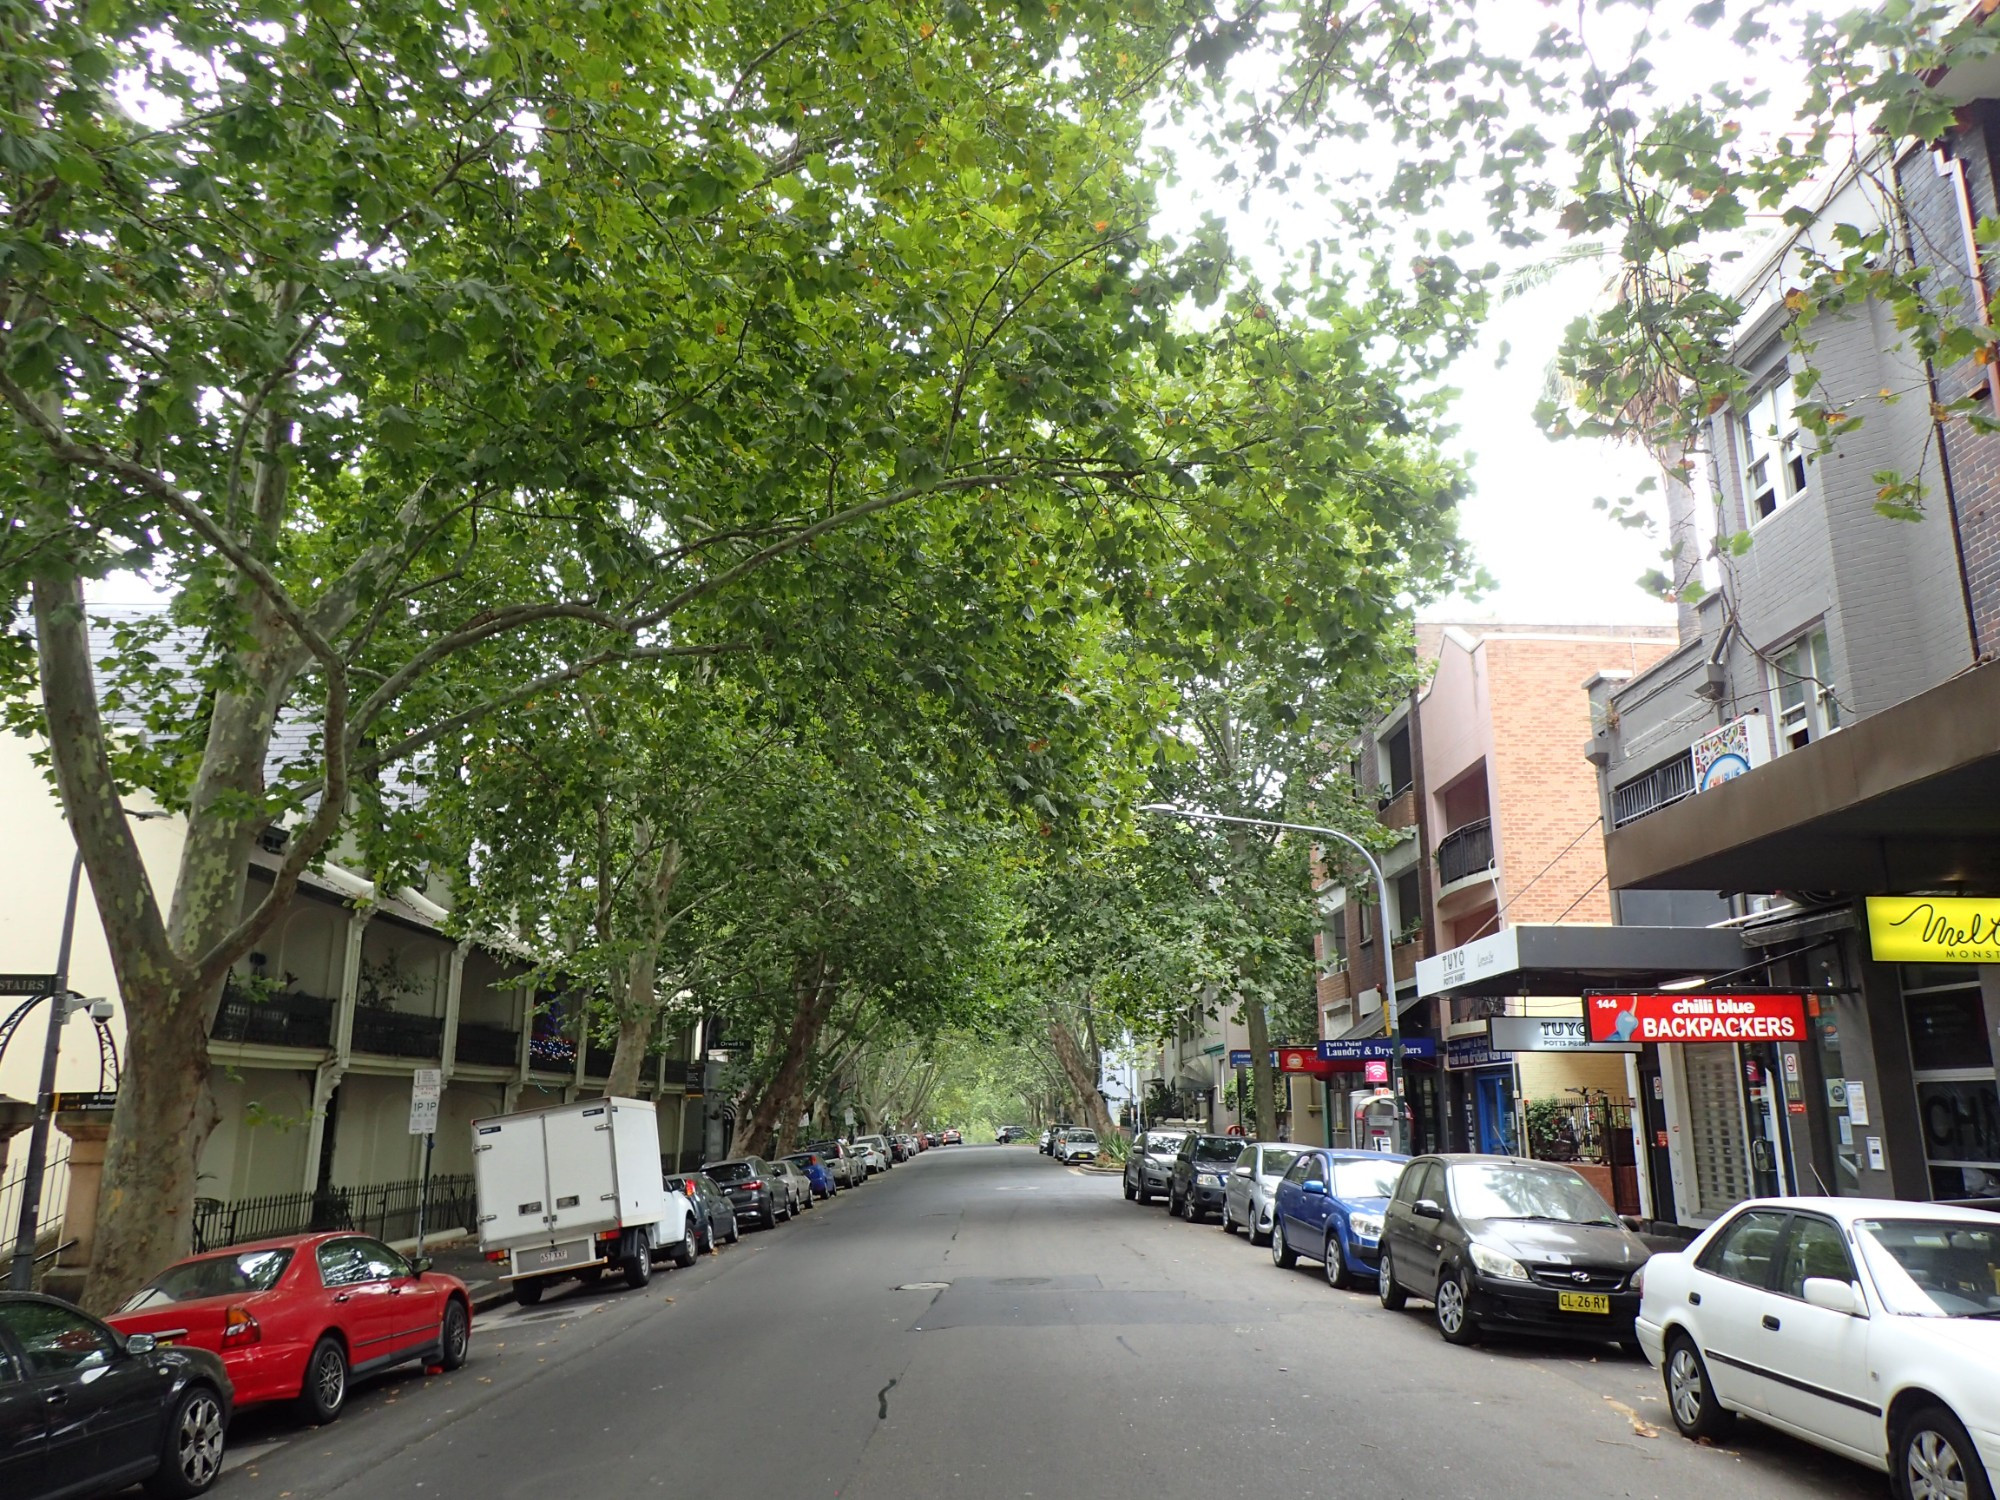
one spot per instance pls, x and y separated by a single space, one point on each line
567 1191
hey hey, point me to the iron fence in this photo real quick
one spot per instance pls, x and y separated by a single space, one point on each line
294 1020
1465 851
387 1210
55 1195
491 1046
395 1033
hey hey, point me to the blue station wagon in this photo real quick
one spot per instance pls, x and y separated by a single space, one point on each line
1329 1208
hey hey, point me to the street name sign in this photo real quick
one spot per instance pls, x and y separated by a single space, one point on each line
27 984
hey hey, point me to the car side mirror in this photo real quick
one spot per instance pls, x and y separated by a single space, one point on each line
421 1263
1314 1186
140 1343
1427 1208
1633 1222
1241 1172
1835 1296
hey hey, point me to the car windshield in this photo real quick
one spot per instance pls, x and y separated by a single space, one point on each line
234 1275
1933 1268
1278 1163
1365 1179
1164 1145
1218 1148
1082 1135
1506 1190
730 1171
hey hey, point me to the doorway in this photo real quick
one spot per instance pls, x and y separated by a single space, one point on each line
1494 1091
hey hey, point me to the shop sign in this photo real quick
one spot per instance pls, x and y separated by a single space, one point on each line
1734 750
1472 1052
1672 1016
1547 1034
1934 929
1298 1060
1375 1049
1375 1072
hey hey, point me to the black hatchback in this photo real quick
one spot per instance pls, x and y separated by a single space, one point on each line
1505 1244
1200 1182
87 1411
753 1190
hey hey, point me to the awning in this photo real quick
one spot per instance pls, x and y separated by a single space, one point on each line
1907 799
1569 959
1373 1026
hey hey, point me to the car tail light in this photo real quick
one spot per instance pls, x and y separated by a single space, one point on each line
496 1256
239 1329
753 1187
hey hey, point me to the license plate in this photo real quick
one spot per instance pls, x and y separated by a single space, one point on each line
555 1257
1583 1302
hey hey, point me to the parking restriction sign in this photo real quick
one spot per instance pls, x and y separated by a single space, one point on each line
426 1084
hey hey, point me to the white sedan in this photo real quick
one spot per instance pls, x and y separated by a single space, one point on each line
1076 1145
1253 1186
1870 1327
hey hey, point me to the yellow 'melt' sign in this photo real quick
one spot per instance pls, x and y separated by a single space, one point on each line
1934 929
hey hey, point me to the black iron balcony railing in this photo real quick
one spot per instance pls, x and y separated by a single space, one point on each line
394 1033
273 1021
1664 785
597 1057
1465 852
483 1043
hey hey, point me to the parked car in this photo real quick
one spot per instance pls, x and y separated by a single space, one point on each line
1247 1190
1076 1145
1201 1168
1869 1327
756 1192
933 1138
797 1184
1149 1169
849 1170
88 1410
953 1138
301 1318
818 1171
1328 1207
715 1217
874 1150
1049 1135
1008 1134
1503 1243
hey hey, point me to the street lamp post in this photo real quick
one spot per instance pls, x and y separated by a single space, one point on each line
21 1275
1166 810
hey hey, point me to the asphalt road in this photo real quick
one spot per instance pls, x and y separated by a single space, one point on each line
984 1323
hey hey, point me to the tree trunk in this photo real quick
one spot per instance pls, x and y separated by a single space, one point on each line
639 1007
776 1112
1262 1084
1076 1070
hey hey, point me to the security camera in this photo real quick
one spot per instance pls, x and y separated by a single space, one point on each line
100 1010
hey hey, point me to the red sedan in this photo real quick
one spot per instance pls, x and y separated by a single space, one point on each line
298 1319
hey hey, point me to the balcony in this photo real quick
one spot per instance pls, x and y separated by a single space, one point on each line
395 1033
597 1058
1335 987
483 1044
1667 783
304 1021
1398 809
1465 859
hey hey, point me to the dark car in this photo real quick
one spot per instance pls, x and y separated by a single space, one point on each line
714 1215
818 1170
1149 1169
753 1190
87 1411
1200 1182
1501 1243
1048 1141
1328 1207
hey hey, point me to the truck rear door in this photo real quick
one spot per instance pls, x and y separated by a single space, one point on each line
582 1180
511 1169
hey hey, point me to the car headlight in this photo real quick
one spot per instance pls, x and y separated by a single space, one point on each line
1639 1280
1494 1264
1208 1179
1365 1226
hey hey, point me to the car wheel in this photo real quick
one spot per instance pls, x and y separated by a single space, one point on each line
1394 1298
1935 1459
1337 1275
685 1252
637 1264
1690 1397
1130 1191
1191 1209
528 1293
1283 1256
1453 1308
1228 1224
455 1336
191 1457
1173 1203
735 1231
1145 1192
325 1390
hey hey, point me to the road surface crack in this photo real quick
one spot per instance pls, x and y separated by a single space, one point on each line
882 1399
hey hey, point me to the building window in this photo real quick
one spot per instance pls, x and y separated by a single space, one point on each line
1409 904
1397 776
1951 1065
1365 910
1808 706
1776 464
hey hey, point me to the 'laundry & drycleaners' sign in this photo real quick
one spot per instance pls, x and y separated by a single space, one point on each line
1671 1016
